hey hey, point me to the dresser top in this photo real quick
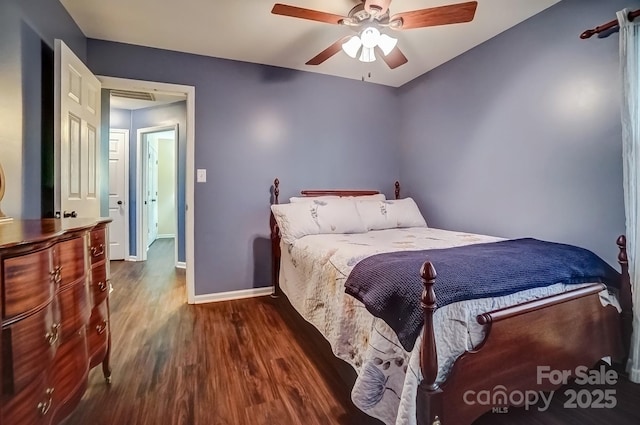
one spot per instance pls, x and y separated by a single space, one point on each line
19 232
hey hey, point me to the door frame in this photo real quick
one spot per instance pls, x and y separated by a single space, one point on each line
125 131
190 92
142 213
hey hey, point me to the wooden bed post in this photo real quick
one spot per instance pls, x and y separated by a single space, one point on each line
275 244
397 191
429 401
625 298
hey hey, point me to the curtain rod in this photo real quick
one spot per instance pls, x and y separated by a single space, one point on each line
609 25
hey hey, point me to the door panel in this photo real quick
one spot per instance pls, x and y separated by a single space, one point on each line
77 134
117 194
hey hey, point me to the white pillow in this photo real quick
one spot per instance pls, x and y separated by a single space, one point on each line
376 197
379 215
407 213
320 216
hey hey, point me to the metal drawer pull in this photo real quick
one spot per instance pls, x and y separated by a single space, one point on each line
44 406
52 337
102 286
102 327
56 274
97 251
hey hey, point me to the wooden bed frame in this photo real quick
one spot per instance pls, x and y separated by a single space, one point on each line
560 332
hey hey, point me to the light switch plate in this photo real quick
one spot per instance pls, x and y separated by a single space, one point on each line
201 175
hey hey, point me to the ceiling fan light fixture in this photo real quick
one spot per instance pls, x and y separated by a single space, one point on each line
352 46
367 54
387 43
370 37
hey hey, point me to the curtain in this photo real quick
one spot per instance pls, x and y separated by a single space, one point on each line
629 67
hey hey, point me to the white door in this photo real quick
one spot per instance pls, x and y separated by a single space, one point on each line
152 192
118 209
77 136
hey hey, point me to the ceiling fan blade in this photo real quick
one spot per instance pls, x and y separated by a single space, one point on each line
393 59
302 13
434 16
328 52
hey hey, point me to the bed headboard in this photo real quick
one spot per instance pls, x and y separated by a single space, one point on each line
333 192
275 232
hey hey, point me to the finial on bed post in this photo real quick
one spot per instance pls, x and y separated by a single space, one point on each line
625 297
275 243
397 191
429 355
429 399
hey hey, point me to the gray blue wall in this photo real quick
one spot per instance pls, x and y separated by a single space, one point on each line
254 123
521 136
27 28
517 137
120 119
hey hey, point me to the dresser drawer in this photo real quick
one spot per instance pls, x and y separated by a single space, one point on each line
75 308
70 367
28 346
99 283
28 282
32 406
69 257
98 245
98 332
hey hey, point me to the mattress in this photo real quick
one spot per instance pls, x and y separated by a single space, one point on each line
312 275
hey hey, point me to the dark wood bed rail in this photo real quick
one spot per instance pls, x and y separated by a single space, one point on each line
275 243
275 231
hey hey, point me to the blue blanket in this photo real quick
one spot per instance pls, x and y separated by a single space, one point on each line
390 287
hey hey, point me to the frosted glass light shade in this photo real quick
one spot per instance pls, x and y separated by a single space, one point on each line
367 54
370 37
352 46
387 43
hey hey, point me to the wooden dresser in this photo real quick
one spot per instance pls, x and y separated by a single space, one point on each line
54 300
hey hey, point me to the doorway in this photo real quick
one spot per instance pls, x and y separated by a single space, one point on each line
159 194
185 171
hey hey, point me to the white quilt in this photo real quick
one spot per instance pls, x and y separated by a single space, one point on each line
312 275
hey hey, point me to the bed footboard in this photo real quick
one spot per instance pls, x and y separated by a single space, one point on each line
556 333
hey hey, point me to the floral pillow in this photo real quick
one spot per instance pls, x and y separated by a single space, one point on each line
318 217
390 214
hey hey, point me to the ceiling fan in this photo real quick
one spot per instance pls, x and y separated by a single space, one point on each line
370 16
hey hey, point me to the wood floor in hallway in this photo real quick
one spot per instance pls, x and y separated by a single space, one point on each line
241 362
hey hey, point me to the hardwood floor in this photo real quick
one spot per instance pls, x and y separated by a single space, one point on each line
241 362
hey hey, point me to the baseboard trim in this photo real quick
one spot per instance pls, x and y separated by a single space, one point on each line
132 258
181 265
233 295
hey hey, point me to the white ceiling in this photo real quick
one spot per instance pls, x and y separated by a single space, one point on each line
246 30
